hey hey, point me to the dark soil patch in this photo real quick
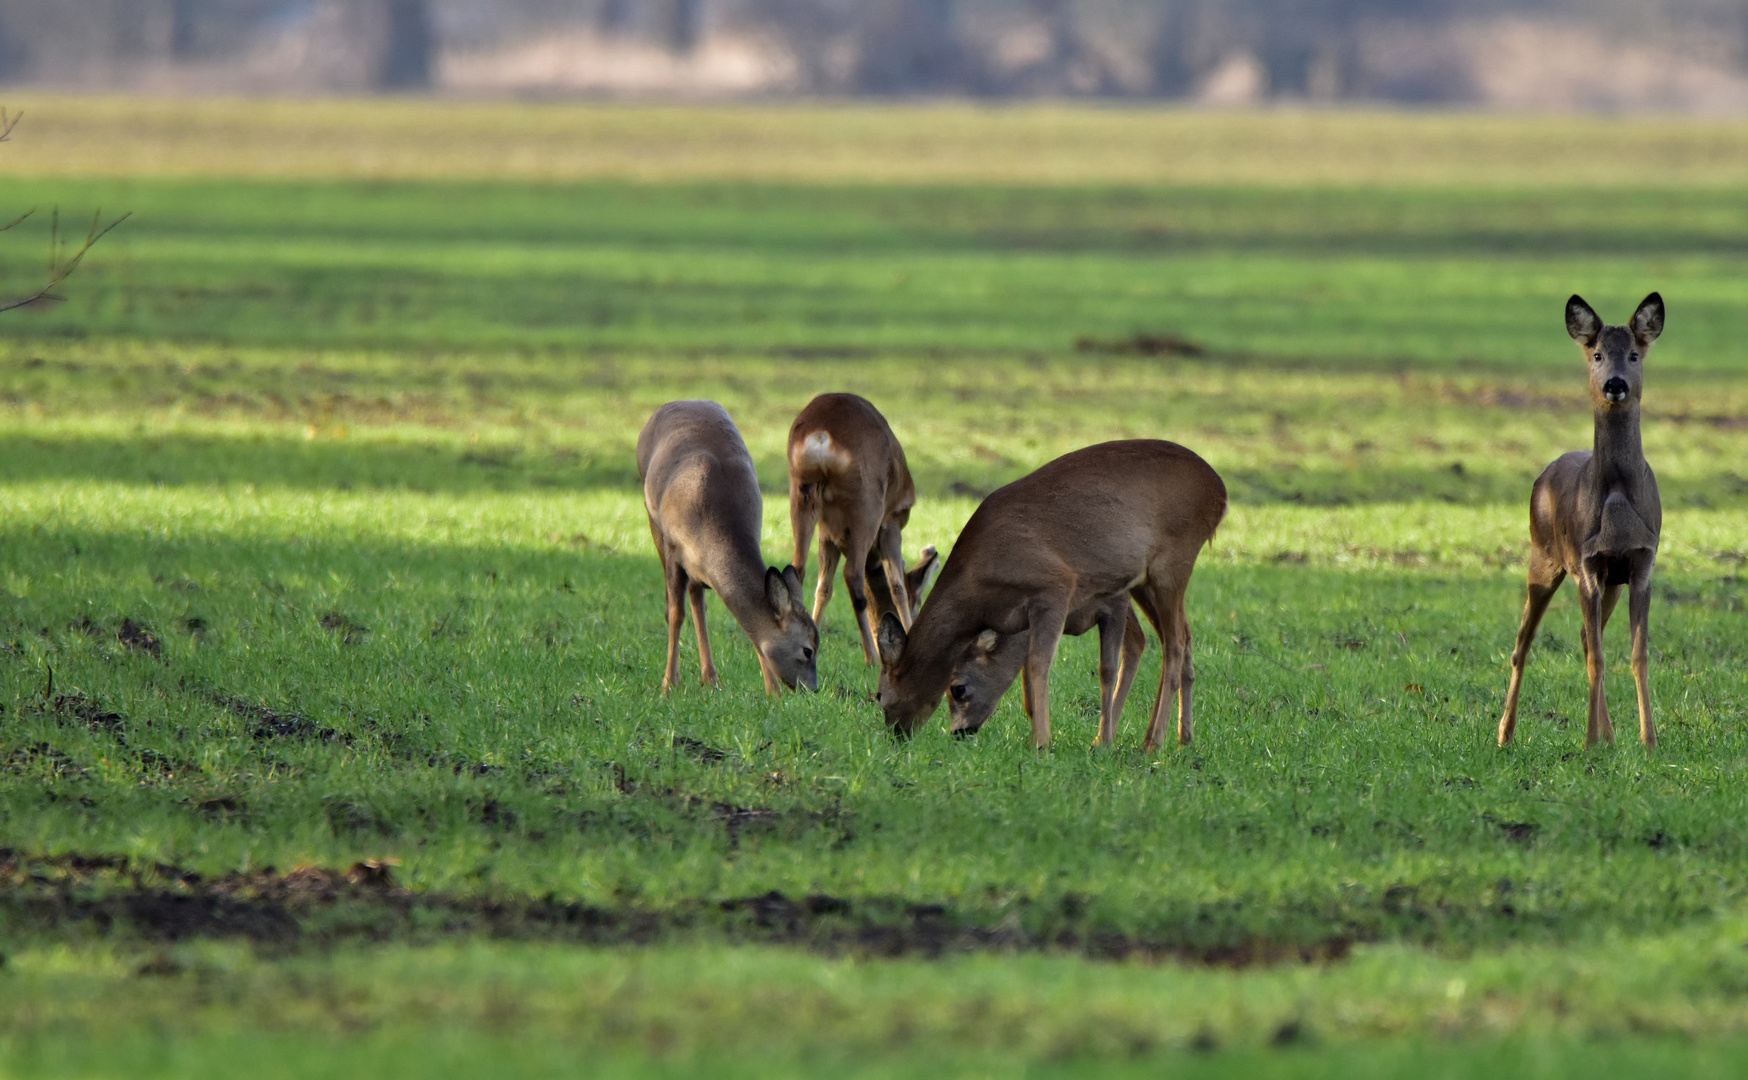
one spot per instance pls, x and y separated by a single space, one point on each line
273 724
90 712
350 631
1141 344
698 751
46 761
312 906
135 636
1518 832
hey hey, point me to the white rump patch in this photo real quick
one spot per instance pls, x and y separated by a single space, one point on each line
820 453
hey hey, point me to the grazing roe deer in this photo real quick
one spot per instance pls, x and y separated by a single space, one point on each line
705 513
848 477
994 660
1112 520
1595 514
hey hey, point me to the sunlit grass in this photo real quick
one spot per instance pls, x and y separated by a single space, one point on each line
344 420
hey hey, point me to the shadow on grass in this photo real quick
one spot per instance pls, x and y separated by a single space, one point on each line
316 464
328 464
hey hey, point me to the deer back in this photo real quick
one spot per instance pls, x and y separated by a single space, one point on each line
701 489
844 460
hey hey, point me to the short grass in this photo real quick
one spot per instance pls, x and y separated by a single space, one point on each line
323 544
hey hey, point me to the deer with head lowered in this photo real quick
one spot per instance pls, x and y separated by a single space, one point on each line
1595 514
994 660
848 478
705 513
1063 548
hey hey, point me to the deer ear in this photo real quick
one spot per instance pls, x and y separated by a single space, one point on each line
1648 320
987 641
1581 322
777 591
792 581
891 639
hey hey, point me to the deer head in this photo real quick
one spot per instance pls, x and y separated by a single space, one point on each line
1616 354
789 646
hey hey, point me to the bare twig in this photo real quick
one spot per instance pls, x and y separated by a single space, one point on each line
59 269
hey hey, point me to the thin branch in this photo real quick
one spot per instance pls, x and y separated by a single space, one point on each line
60 270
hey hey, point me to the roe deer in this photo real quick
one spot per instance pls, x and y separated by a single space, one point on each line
847 475
1595 514
991 664
705 513
1116 519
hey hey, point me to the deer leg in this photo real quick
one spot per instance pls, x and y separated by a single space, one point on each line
803 516
1186 678
1144 600
1598 728
706 662
1134 644
1544 581
1611 595
891 544
1171 675
856 583
1639 616
828 570
1111 643
1046 620
676 587
1149 602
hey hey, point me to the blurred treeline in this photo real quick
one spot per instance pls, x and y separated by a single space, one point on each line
1676 54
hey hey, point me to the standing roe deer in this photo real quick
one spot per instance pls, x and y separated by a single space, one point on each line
1595 514
705 513
1112 520
848 476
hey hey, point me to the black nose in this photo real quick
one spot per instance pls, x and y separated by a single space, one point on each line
1615 389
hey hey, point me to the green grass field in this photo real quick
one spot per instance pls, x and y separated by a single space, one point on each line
330 628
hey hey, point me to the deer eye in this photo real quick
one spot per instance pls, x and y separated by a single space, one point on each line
1597 358
1634 357
959 692
806 653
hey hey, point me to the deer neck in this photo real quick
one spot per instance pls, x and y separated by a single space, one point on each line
1618 452
740 585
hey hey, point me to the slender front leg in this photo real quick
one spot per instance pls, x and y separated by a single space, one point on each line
706 662
676 586
1639 615
1046 619
828 572
1540 592
1598 727
891 545
1111 641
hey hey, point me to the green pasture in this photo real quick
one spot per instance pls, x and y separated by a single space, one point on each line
330 630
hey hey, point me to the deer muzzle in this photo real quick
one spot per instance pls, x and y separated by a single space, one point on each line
1615 390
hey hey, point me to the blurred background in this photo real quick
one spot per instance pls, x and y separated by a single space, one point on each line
1666 55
